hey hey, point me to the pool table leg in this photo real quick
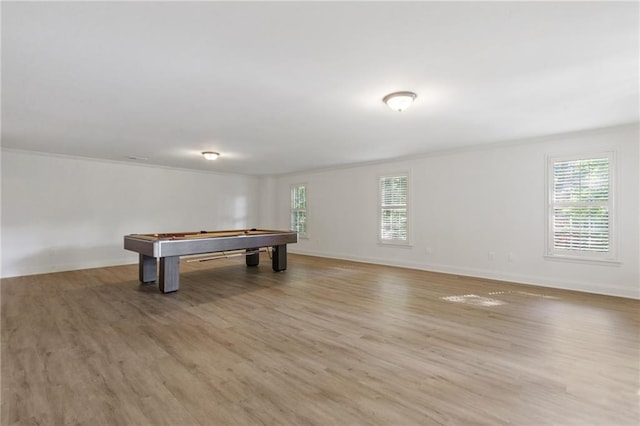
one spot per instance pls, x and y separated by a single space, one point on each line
169 274
147 268
253 257
279 258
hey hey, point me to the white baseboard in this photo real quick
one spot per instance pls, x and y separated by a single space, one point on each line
47 269
486 274
446 269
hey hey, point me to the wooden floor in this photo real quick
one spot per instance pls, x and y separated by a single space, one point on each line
325 343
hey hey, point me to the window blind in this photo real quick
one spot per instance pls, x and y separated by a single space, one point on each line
393 208
299 209
581 205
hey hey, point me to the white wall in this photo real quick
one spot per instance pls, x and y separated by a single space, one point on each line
466 204
267 217
63 213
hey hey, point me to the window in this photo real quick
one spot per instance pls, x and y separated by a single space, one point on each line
580 207
394 209
299 209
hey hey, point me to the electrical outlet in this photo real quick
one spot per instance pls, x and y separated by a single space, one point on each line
491 255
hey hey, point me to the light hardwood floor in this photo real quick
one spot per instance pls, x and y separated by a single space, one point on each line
325 343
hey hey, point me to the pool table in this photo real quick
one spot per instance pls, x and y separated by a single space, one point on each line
169 247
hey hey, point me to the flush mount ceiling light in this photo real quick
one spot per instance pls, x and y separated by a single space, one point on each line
210 155
399 101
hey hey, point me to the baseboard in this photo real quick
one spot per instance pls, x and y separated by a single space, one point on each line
481 273
445 269
48 269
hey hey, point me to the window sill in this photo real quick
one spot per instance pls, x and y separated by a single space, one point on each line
400 244
579 259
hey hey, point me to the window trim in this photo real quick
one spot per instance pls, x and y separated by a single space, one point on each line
550 252
292 210
398 243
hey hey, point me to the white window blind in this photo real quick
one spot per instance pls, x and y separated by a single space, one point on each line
580 207
393 208
299 209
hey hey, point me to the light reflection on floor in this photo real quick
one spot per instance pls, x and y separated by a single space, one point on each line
522 293
473 299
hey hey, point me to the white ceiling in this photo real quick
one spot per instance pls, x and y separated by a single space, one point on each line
282 87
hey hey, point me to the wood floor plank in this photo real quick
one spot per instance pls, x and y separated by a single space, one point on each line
327 342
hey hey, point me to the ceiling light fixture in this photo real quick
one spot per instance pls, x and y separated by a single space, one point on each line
399 101
210 155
